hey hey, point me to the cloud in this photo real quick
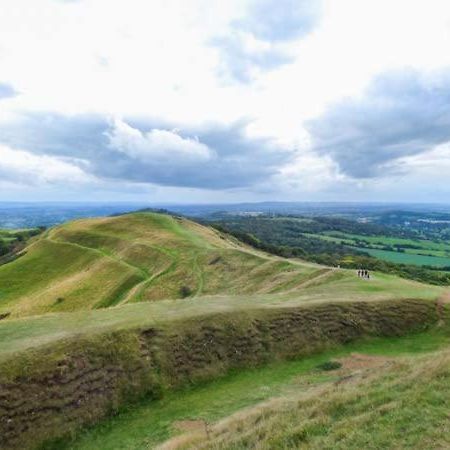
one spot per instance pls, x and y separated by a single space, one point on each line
21 167
255 43
243 56
156 146
7 91
281 20
401 114
140 151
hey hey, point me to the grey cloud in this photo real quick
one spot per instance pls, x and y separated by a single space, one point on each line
401 114
238 160
7 91
271 22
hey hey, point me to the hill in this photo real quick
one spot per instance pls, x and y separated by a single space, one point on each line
98 263
102 313
104 262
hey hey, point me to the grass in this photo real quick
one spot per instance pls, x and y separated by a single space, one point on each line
386 240
147 424
24 333
97 263
83 310
424 253
402 406
408 258
78 380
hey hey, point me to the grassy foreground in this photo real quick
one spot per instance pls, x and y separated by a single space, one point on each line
146 425
403 406
17 335
49 392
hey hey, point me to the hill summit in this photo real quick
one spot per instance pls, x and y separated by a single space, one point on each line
98 263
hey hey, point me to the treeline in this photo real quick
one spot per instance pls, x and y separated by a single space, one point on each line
290 228
278 240
13 241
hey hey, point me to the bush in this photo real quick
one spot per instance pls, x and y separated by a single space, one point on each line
329 365
185 291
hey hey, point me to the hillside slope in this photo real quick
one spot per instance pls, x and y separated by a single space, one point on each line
401 404
98 263
138 257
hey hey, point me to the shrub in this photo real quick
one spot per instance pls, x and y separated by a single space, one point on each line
329 365
185 291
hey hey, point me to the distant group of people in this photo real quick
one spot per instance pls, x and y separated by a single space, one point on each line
363 273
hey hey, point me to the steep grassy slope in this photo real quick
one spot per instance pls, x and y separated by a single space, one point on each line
98 263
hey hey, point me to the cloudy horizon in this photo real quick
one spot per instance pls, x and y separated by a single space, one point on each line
197 101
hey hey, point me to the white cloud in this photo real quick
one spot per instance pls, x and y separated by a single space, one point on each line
157 145
21 167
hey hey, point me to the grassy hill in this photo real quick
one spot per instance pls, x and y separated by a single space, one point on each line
104 262
104 312
98 263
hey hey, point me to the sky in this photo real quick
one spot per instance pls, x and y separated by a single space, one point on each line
211 101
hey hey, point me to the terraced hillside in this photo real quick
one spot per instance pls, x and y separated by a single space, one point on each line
105 262
98 263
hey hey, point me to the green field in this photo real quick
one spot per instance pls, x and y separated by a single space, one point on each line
424 253
408 258
386 240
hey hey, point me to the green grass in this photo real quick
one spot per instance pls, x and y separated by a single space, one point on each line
145 425
81 285
408 258
339 286
386 240
403 406
426 253
97 263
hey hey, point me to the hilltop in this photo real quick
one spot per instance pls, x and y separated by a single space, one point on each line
98 263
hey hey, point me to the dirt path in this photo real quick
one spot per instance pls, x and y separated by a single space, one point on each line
440 306
361 362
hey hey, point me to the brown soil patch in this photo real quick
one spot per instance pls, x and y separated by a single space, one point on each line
190 425
445 298
357 362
